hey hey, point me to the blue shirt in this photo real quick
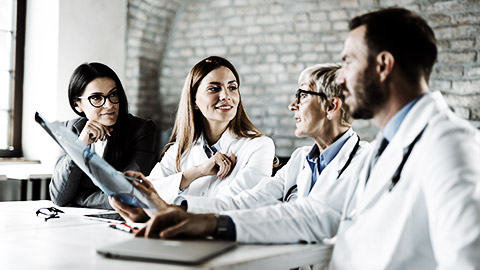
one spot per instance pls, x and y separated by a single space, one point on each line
318 162
394 124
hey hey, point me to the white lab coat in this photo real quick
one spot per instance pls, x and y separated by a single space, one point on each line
254 160
299 220
273 190
431 218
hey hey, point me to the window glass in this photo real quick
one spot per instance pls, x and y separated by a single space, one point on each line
4 123
12 18
5 50
6 15
4 95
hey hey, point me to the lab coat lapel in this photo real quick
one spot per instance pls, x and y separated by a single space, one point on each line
381 174
330 174
332 171
304 180
226 141
364 171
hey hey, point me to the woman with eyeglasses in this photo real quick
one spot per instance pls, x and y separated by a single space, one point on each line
125 141
214 150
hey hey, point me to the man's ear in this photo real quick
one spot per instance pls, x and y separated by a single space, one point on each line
384 65
333 107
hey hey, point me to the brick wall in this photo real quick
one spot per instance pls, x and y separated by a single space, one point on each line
149 23
270 42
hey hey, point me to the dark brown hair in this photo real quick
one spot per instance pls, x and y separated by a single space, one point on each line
405 35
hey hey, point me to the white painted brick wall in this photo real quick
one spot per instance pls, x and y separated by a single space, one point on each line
270 42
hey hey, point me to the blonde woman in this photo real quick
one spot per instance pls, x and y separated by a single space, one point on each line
215 150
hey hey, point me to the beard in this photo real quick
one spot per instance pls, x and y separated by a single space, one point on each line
368 95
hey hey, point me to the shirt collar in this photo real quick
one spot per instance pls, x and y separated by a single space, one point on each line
394 124
222 144
331 151
217 145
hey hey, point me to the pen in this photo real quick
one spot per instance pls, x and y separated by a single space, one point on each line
123 227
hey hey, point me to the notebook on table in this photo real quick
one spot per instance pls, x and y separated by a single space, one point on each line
103 175
172 251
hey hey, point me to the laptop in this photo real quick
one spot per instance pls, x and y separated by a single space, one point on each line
173 251
103 175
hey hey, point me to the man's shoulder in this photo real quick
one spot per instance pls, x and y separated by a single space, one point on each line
444 121
449 131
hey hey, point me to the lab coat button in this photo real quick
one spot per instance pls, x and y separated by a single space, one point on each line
203 193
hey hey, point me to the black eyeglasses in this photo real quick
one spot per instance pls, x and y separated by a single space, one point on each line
300 95
48 212
98 100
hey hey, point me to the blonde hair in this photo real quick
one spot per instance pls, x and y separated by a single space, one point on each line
321 78
188 123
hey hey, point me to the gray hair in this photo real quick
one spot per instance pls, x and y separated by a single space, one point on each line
321 78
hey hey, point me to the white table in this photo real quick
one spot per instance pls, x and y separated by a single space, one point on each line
68 242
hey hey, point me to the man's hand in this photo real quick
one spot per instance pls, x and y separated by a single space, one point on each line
174 222
147 189
134 214
129 213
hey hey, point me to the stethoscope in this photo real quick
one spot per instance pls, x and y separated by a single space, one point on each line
291 191
395 178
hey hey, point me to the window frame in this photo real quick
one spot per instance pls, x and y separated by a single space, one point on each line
17 70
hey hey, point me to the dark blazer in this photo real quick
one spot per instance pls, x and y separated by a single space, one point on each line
131 148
